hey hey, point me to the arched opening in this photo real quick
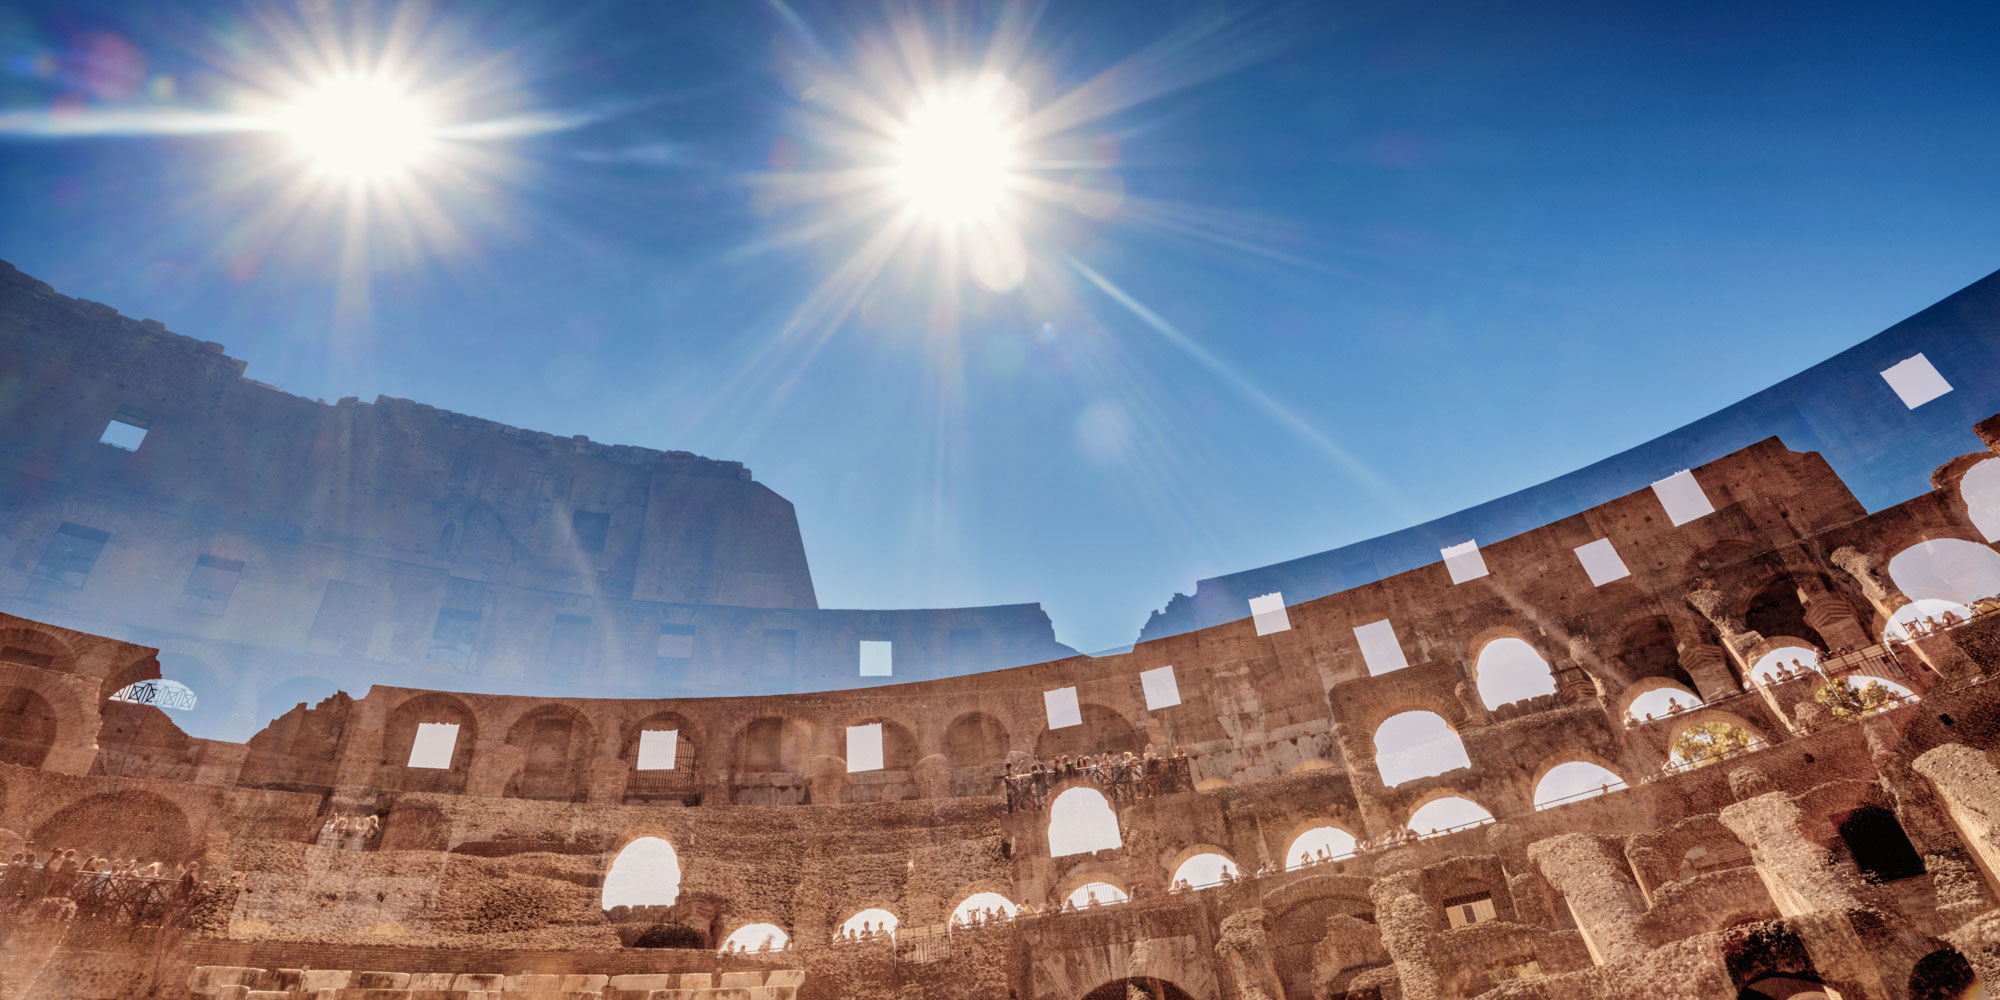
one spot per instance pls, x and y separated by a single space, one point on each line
870 923
757 938
646 873
1855 696
1879 846
975 744
31 648
1784 663
770 744
1509 670
399 737
1082 821
1321 843
1921 618
1412 745
1951 572
1205 870
1945 975
1650 650
1776 610
664 764
1103 731
1574 781
557 741
1138 989
981 907
1091 894
1662 701
1980 489
893 781
127 824
1784 987
1448 814
1709 742
27 727
216 714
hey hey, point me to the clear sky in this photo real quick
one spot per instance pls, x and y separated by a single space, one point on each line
1269 280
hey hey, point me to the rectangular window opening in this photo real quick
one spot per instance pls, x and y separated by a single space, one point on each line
864 747
676 649
1915 380
211 583
1463 561
1379 647
1160 688
434 745
1682 497
1062 708
1601 561
123 433
591 528
1267 613
877 658
71 554
657 747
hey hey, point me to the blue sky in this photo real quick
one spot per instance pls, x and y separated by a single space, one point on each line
1371 262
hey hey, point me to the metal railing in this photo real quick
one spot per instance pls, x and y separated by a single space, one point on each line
30 891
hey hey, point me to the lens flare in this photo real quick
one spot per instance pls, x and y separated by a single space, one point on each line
358 128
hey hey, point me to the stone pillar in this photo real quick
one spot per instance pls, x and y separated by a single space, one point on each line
1405 922
1794 869
1601 896
1245 946
1708 666
1832 616
1737 638
1862 567
1970 791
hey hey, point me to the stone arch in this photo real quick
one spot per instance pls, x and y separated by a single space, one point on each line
1563 760
1081 821
60 711
981 896
757 936
976 739
1944 975
1682 723
1146 987
28 727
1776 610
1420 821
896 779
400 734
1632 693
646 871
1200 865
1649 648
1508 668
1103 731
1340 842
772 744
124 824
1979 489
557 743
211 716
1945 569
1424 745
878 915
32 644
680 783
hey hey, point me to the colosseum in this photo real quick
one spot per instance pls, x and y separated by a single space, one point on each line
1728 735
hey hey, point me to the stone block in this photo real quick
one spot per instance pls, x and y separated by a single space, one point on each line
584 984
208 980
727 993
431 980
234 991
786 977
284 980
381 981
660 981
538 983
614 993
697 981
490 981
268 995
772 992
741 979
314 980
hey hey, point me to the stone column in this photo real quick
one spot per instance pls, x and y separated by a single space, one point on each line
1794 869
1245 945
1970 791
1862 567
1832 616
1737 638
1601 896
1708 666
1405 924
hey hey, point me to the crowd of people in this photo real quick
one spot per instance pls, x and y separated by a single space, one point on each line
1126 776
349 833
867 933
763 947
63 886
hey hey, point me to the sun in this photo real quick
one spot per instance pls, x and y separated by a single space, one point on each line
359 128
956 154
